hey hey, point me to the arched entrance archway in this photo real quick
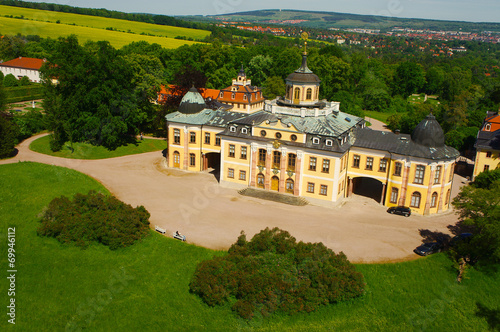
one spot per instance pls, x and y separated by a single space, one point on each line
260 181
212 160
368 187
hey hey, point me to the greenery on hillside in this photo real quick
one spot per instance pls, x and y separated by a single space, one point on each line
382 22
146 18
114 290
274 273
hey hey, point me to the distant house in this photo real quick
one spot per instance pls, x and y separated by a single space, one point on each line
21 67
488 144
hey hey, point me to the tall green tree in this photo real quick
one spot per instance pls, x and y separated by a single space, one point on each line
8 129
95 99
409 79
10 81
273 87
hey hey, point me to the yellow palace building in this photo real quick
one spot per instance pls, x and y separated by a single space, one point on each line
302 146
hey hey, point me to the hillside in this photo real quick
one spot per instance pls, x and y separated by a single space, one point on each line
118 32
344 21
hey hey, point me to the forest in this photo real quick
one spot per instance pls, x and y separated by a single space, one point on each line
458 90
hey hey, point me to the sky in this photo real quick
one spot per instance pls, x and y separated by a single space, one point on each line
452 10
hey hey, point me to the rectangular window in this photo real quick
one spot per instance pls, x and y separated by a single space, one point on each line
323 190
369 163
356 160
486 168
419 174
230 173
394 195
192 137
177 136
243 175
276 159
243 152
207 138
326 166
397 169
312 164
310 187
217 140
437 175
192 160
292 158
488 154
262 157
231 150
383 165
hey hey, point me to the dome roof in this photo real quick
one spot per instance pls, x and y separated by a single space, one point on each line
303 74
428 133
192 102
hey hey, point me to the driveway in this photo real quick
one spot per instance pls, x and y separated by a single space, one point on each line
213 217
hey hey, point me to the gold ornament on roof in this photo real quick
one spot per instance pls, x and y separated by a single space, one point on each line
305 36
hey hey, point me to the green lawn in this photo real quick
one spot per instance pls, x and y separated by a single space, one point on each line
145 287
88 151
43 23
378 115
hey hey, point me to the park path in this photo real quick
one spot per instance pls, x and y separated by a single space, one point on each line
213 217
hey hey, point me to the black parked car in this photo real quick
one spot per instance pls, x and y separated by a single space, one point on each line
428 248
402 210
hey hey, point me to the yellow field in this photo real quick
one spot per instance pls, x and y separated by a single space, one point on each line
42 23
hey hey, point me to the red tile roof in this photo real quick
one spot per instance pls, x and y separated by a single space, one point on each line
26 63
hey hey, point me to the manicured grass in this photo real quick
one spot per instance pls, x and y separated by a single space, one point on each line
145 287
88 151
12 26
378 115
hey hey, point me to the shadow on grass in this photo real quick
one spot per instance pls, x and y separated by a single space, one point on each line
492 316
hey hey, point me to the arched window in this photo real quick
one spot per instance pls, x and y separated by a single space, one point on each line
297 94
415 199
260 180
288 92
434 199
289 186
309 94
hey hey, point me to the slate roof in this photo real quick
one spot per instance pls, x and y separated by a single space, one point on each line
400 144
192 102
207 117
488 140
333 125
303 74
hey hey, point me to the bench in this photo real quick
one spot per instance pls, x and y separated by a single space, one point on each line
160 230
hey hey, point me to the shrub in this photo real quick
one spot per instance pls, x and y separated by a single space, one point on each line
273 272
94 218
10 81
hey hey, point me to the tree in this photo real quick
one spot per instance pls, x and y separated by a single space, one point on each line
259 69
409 79
95 99
273 87
24 81
8 129
10 81
478 206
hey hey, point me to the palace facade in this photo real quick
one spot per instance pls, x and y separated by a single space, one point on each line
302 146
488 145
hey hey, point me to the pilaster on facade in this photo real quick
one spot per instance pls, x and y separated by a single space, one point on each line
267 184
253 165
186 149
404 184
443 182
427 208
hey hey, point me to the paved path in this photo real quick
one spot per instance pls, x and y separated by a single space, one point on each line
376 124
213 217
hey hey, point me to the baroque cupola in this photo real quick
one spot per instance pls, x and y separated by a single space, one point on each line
192 102
428 133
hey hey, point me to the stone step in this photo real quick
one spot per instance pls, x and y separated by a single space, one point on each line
273 196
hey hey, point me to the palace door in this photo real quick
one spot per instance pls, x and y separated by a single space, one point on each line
275 183
177 160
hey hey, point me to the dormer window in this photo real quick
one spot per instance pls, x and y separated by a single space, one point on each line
221 95
233 95
487 127
232 129
315 140
244 97
329 142
244 130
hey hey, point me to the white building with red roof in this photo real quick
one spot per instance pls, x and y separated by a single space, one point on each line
21 67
